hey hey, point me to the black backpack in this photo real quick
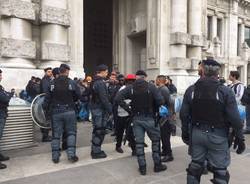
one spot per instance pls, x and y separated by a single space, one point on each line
245 100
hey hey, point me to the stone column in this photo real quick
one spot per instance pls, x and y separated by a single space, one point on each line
76 37
17 48
214 26
233 27
55 18
195 30
179 39
179 36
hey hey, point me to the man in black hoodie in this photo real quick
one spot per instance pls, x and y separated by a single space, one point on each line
101 110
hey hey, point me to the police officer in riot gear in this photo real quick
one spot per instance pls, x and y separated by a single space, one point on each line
145 101
209 109
4 103
101 110
45 84
61 97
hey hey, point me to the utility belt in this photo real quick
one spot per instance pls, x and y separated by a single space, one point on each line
144 114
62 107
209 126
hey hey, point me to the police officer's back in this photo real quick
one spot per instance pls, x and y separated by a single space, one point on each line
61 97
145 100
207 112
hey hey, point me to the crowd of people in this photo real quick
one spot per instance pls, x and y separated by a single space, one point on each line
130 104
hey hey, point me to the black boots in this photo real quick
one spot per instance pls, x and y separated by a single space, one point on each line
167 158
56 160
2 166
46 139
160 167
73 159
100 155
119 149
3 158
143 170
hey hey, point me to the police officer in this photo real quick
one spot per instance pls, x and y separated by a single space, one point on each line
56 74
209 109
165 126
101 110
45 83
62 96
145 100
4 103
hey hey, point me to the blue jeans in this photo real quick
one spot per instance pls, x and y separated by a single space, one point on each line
64 122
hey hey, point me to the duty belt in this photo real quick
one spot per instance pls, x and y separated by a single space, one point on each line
63 107
149 114
205 125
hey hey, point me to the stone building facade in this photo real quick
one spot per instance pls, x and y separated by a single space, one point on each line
172 36
35 34
160 36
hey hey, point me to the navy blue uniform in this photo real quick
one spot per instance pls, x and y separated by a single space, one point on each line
145 100
206 130
101 108
61 97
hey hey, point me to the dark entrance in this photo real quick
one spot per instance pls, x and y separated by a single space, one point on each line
98 34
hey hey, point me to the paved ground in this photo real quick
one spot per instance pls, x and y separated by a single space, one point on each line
34 166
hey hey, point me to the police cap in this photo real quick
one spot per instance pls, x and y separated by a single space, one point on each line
55 71
141 73
64 66
101 68
211 62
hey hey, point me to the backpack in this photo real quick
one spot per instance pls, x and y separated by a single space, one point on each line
245 100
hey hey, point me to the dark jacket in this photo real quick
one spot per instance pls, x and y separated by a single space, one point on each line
4 102
45 84
127 93
166 95
226 97
172 88
85 93
100 96
33 89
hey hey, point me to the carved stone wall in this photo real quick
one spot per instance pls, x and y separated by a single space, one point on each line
57 52
18 48
55 15
17 8
223 4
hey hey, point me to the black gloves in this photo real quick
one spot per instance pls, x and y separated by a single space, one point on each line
239 145
185 138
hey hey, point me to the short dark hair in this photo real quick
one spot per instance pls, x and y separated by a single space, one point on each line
235 74
162 77
1 71
48 68
141 73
